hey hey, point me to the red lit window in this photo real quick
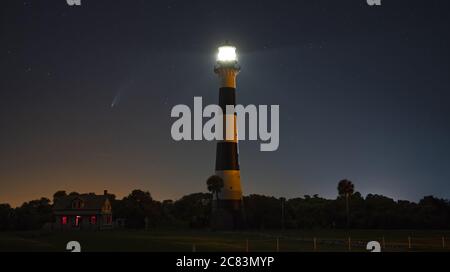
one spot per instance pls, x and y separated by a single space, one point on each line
77 220
93 220
64 220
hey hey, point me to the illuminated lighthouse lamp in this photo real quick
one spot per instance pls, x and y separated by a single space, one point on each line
227 54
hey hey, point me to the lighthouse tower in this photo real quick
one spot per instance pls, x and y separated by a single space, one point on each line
228 212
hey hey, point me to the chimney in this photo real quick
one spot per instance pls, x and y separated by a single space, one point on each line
105 192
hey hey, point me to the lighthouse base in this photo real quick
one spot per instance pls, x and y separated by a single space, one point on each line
228 215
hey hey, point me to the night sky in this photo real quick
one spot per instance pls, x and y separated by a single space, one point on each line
86 95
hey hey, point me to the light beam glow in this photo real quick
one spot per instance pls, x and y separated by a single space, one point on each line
227 54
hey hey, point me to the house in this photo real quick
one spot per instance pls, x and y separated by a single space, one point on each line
84 211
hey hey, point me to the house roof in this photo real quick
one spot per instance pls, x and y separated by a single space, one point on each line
90 202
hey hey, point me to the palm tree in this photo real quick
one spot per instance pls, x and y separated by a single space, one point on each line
215 185
346 189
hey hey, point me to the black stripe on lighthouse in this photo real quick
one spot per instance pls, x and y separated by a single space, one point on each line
227 156
227 151
227 96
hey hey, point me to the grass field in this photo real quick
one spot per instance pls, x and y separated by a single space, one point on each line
175 240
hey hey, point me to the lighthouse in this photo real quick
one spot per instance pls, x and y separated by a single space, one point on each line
228 212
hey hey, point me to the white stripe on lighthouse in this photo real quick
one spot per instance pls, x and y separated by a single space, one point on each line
232 185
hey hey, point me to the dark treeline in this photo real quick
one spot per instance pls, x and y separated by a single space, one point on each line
261 212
